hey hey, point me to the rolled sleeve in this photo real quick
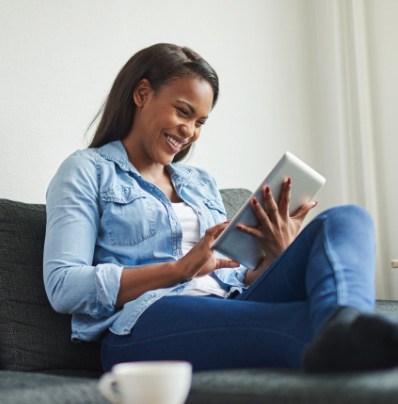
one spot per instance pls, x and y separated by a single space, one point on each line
107 282
73 284
240 274
233 276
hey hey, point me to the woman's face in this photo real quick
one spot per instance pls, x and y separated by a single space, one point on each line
170 119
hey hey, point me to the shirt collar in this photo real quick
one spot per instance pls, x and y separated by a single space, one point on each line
116 152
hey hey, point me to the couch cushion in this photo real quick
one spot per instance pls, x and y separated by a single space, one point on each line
282 386
32 335
32 387
233 199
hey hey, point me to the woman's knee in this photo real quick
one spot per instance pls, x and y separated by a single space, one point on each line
348 226
351 216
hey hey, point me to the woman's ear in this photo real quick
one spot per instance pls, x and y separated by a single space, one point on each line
141 92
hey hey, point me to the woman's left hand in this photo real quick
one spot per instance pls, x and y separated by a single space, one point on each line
276 229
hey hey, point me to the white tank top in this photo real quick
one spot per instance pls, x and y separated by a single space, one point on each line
203 285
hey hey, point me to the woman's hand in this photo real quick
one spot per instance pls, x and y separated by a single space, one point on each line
201 259
276 229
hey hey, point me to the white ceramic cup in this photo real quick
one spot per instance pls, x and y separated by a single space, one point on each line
157 382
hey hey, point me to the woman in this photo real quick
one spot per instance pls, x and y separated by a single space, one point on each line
128 248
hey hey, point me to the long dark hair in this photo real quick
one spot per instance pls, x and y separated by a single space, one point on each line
158 64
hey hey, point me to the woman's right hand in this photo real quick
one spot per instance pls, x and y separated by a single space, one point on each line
201 259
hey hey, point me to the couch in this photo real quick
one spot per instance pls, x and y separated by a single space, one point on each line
39 363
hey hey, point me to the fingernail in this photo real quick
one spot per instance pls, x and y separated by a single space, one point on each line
255 202
315 203
288 181
267 189
239 226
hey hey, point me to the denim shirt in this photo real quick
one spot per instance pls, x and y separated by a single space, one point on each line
103 216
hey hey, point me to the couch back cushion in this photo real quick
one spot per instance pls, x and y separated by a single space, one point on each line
233 199
32 335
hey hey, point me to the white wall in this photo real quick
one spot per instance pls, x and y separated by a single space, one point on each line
383 33
59 59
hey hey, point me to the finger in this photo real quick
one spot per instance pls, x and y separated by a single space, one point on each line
215 231
284 199
260 213
253 231
269 201
226 263
304 209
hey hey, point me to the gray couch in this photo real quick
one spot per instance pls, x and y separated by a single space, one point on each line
39 364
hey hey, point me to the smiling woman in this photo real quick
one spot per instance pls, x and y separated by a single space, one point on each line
166 122
130 229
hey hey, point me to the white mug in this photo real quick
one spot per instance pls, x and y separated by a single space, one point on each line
156 382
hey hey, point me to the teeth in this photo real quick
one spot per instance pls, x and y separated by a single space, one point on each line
173 141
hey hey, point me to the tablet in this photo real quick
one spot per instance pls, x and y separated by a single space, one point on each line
243 247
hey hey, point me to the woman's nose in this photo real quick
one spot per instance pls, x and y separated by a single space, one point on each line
189 129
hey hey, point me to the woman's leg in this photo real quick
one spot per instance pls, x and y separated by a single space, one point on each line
329 265
214 333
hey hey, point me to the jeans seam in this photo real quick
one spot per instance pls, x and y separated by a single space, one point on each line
171 335
338 274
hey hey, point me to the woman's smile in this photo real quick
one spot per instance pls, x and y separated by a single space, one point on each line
176 143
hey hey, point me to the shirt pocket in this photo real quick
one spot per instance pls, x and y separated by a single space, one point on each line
129 215
215 209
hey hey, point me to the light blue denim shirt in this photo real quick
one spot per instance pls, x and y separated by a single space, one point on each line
102 216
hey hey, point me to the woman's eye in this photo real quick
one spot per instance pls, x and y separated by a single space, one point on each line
200 123
183 111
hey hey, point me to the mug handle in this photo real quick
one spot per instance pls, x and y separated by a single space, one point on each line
105 386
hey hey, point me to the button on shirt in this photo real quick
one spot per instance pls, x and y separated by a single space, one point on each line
103 216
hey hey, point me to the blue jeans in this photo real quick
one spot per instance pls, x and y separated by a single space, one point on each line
329 265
